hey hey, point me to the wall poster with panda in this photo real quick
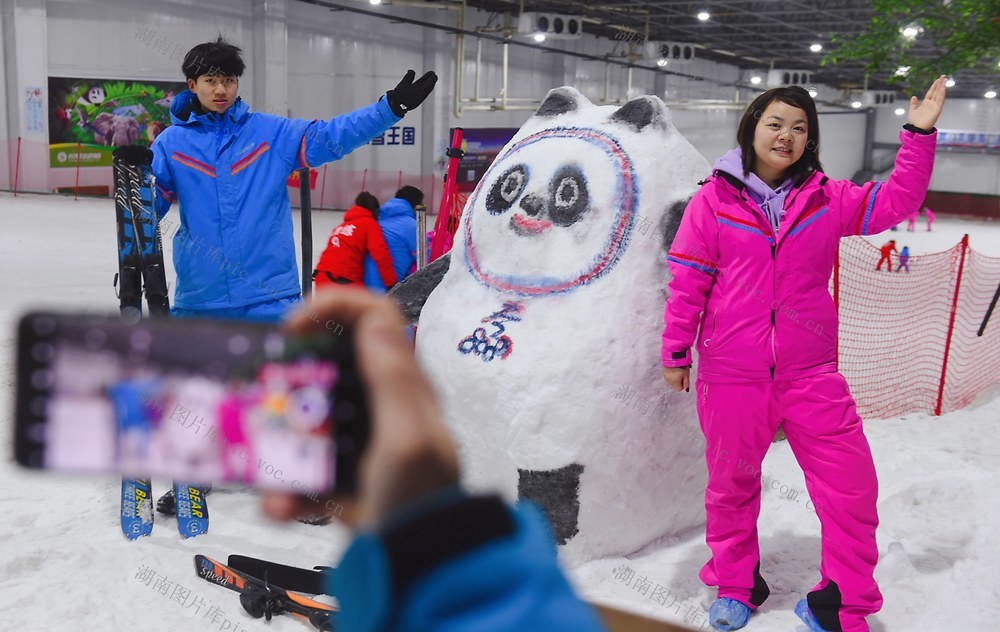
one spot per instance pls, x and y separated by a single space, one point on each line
91 117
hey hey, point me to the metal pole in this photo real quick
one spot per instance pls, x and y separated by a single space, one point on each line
503 91
307 231
421 235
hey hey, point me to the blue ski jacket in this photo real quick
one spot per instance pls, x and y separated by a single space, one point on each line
472 565
398 221
228 173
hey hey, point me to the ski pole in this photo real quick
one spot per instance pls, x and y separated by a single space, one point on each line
989 312
307 231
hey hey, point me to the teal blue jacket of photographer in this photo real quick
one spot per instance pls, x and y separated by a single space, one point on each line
474 564
234 245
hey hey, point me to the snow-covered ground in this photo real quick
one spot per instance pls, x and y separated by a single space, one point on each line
64 562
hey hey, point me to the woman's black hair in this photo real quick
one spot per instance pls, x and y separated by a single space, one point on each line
368 201
218 58
794 96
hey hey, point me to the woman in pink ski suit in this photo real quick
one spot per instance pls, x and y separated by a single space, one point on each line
751 265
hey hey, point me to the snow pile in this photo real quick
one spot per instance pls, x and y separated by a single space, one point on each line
542 338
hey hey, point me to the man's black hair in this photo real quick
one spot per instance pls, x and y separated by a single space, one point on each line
213 58
368 201
411 194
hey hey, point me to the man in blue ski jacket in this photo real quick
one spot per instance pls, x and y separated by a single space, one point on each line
398 220
227 168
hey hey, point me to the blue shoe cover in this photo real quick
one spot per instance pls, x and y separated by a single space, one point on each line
804 613
728 614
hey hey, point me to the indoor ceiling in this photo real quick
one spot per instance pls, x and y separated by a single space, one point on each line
752 34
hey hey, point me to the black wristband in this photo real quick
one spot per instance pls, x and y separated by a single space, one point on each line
418 545
910 127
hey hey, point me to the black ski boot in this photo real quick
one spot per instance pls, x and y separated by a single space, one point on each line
167 503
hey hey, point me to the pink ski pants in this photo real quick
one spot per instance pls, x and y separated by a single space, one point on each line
824 431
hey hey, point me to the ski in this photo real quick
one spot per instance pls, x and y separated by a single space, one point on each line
192 511
301 580
140 246
261 598
140 268
137 507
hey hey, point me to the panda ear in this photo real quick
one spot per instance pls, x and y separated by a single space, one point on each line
560 101
642 112
671 221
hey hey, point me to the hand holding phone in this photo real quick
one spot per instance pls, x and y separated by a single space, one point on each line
410 453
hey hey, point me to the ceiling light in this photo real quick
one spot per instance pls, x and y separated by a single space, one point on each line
661 62
990 94
812 92
856 104
902 71
950 83
755 79
374 1
911 31
900 111
703 16
816 48
539 37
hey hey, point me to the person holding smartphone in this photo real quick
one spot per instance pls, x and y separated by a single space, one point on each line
751 266
427 555
227 168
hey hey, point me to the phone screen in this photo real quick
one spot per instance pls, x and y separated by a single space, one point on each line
195 400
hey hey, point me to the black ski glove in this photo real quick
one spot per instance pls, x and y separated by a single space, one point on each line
408 93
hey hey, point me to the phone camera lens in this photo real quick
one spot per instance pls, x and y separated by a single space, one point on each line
38 405
43 325
41 379
43 352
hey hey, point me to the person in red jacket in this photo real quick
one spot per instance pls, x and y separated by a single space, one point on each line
887 250
343 260
750 266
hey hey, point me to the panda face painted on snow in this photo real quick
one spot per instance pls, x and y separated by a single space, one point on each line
557 190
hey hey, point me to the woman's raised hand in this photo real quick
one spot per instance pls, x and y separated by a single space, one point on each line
925 115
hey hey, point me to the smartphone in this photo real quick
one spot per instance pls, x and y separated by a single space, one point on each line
192 400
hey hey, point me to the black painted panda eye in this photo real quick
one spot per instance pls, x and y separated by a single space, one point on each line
570 198
506 189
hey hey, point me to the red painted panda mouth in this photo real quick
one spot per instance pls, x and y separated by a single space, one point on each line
526 226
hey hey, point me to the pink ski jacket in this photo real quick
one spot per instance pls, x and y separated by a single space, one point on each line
762 298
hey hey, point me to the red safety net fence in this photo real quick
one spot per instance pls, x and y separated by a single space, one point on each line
909 340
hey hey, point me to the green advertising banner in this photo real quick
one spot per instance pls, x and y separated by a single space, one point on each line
88 118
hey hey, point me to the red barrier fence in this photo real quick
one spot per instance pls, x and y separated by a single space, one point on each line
908 339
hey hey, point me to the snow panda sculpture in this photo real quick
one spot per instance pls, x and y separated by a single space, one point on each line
543 336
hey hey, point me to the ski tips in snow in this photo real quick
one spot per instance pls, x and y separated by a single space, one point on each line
192 511
137 508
